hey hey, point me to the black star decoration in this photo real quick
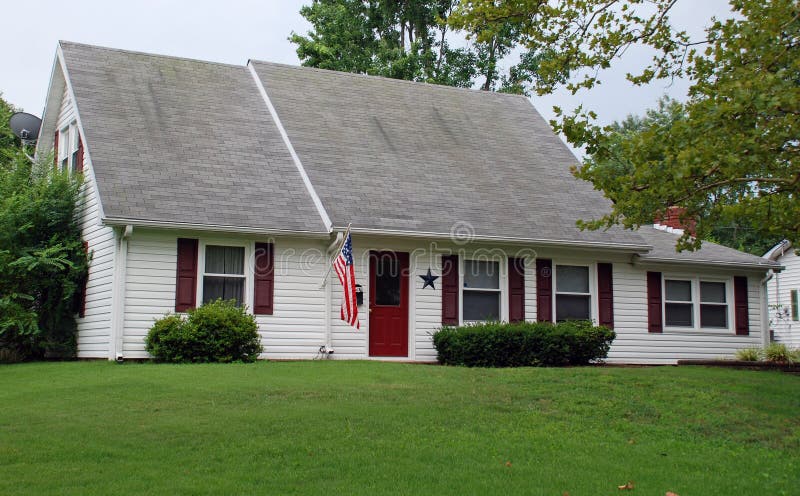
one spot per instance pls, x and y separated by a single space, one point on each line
429 278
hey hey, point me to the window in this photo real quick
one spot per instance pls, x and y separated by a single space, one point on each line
573 296
678 304
481 292
693 303
64 149
387 281
224 275
795 304
713 305
74 142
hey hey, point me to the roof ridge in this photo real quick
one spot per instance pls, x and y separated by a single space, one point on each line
385 78
149 54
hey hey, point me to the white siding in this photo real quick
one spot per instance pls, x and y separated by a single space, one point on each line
785 329
635 345
94 329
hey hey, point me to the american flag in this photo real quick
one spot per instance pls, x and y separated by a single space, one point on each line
343 265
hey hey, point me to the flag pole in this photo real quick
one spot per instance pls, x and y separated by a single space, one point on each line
330 264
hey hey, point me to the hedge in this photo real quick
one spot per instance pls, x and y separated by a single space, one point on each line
523 344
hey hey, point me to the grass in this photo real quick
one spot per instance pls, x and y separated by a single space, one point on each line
380 428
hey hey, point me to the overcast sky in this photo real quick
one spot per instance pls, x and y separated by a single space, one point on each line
233 31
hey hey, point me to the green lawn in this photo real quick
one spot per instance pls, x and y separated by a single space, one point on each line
379 428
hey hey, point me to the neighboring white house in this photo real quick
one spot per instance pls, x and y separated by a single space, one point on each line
207 180
784 295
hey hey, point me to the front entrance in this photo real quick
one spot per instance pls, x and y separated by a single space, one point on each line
388 304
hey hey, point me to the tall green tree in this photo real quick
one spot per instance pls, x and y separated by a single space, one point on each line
734 152
9 144
42 260
409 39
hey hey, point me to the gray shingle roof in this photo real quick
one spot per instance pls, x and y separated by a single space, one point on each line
184 141
178 140
393 155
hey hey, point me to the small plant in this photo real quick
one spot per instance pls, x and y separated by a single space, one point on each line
779 353
219 331
749 354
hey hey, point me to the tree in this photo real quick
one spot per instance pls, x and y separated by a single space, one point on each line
42 260
9 143
732 154
408 39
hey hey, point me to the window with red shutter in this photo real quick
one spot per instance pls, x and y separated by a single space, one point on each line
264 279
516 289
655 321
78 166
186 277
544 290
55 149
741 311
450 290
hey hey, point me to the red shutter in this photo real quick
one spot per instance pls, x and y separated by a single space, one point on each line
79 156
544 290
82 296
186 280
55 150
264 279
450 289
516 289
741 312
654 318
605 294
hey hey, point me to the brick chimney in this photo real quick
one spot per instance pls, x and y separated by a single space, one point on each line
672 222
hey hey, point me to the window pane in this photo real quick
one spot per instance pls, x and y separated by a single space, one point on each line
572 279
712 292
481 305
679 314
227 288
387 281
714 316
678 290
481 274
225 260
572 307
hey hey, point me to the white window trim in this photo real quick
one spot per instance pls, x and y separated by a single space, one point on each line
695 281
593 309
249 249
502 264
64 146
73 146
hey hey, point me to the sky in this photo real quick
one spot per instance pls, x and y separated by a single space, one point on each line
234 31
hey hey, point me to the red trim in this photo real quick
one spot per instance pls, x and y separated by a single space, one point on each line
544 290
388 324
605 294
741 310
186 276
516 289
79 156
450 290
55 150
655 320
264 279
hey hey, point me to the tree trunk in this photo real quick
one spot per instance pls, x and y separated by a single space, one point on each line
490 68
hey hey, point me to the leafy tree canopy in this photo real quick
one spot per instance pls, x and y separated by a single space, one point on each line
729 152
410 40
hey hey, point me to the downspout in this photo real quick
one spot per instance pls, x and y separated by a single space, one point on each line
120 279
328 346
765 337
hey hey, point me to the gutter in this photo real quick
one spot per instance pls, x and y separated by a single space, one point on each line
122 221
638 260
118 296
501 239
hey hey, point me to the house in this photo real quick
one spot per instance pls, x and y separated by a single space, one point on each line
784 295
207 180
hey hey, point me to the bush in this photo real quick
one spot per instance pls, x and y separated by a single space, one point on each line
219 331
779 353
749 354
497 344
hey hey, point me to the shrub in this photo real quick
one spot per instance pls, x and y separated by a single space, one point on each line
497 344
219 331
749 354
779 353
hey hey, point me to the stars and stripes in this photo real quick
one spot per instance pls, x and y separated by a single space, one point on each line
343 265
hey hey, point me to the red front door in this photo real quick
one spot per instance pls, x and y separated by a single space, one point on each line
388 304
